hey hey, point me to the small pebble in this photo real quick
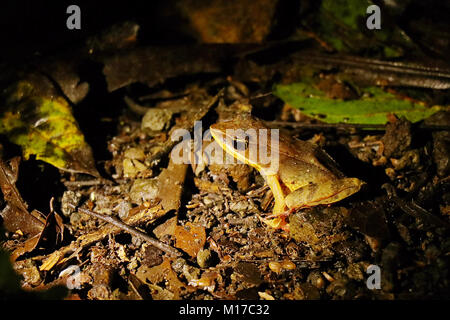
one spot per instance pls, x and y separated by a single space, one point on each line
156 119
288 265
204 258
275 266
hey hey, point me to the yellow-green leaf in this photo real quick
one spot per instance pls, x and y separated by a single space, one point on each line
43 125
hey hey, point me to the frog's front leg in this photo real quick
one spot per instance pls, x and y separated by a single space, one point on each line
278 194
278 222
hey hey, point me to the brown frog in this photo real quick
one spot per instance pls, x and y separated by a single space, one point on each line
304 175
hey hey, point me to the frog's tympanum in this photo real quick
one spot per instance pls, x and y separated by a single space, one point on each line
305 175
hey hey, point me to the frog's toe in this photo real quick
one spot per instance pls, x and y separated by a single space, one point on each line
277 223
283 214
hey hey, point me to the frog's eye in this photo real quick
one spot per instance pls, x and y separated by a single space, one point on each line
241 144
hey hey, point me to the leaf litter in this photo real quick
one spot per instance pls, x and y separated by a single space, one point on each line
209 213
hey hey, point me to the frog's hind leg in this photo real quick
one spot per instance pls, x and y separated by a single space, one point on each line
325 193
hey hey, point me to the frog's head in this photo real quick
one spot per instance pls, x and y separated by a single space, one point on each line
242 121
248 140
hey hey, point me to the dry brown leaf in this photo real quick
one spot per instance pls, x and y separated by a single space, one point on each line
144 216
220 21
52 233
16 216
51 261
190 238
164 273
166 228
207 186
170 185
207 281
27 246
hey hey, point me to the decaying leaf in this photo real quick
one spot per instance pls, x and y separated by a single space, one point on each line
25 247
17 218
166 228
170 182
35 117
15 215
152 65
160 273
51 234
143 216
192 109
249 272
190 238
207 186
265 296
221 21
207 281
51 261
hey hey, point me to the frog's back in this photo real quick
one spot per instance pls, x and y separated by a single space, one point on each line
295 173
307 152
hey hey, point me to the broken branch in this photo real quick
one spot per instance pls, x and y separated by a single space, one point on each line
116 222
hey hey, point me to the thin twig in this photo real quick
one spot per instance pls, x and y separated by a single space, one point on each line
261 95
395 73
87 183
417 211
413 209
116 222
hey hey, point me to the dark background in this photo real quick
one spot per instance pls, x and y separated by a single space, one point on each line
30 27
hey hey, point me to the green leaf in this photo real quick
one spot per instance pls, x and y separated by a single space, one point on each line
372 108
43 125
